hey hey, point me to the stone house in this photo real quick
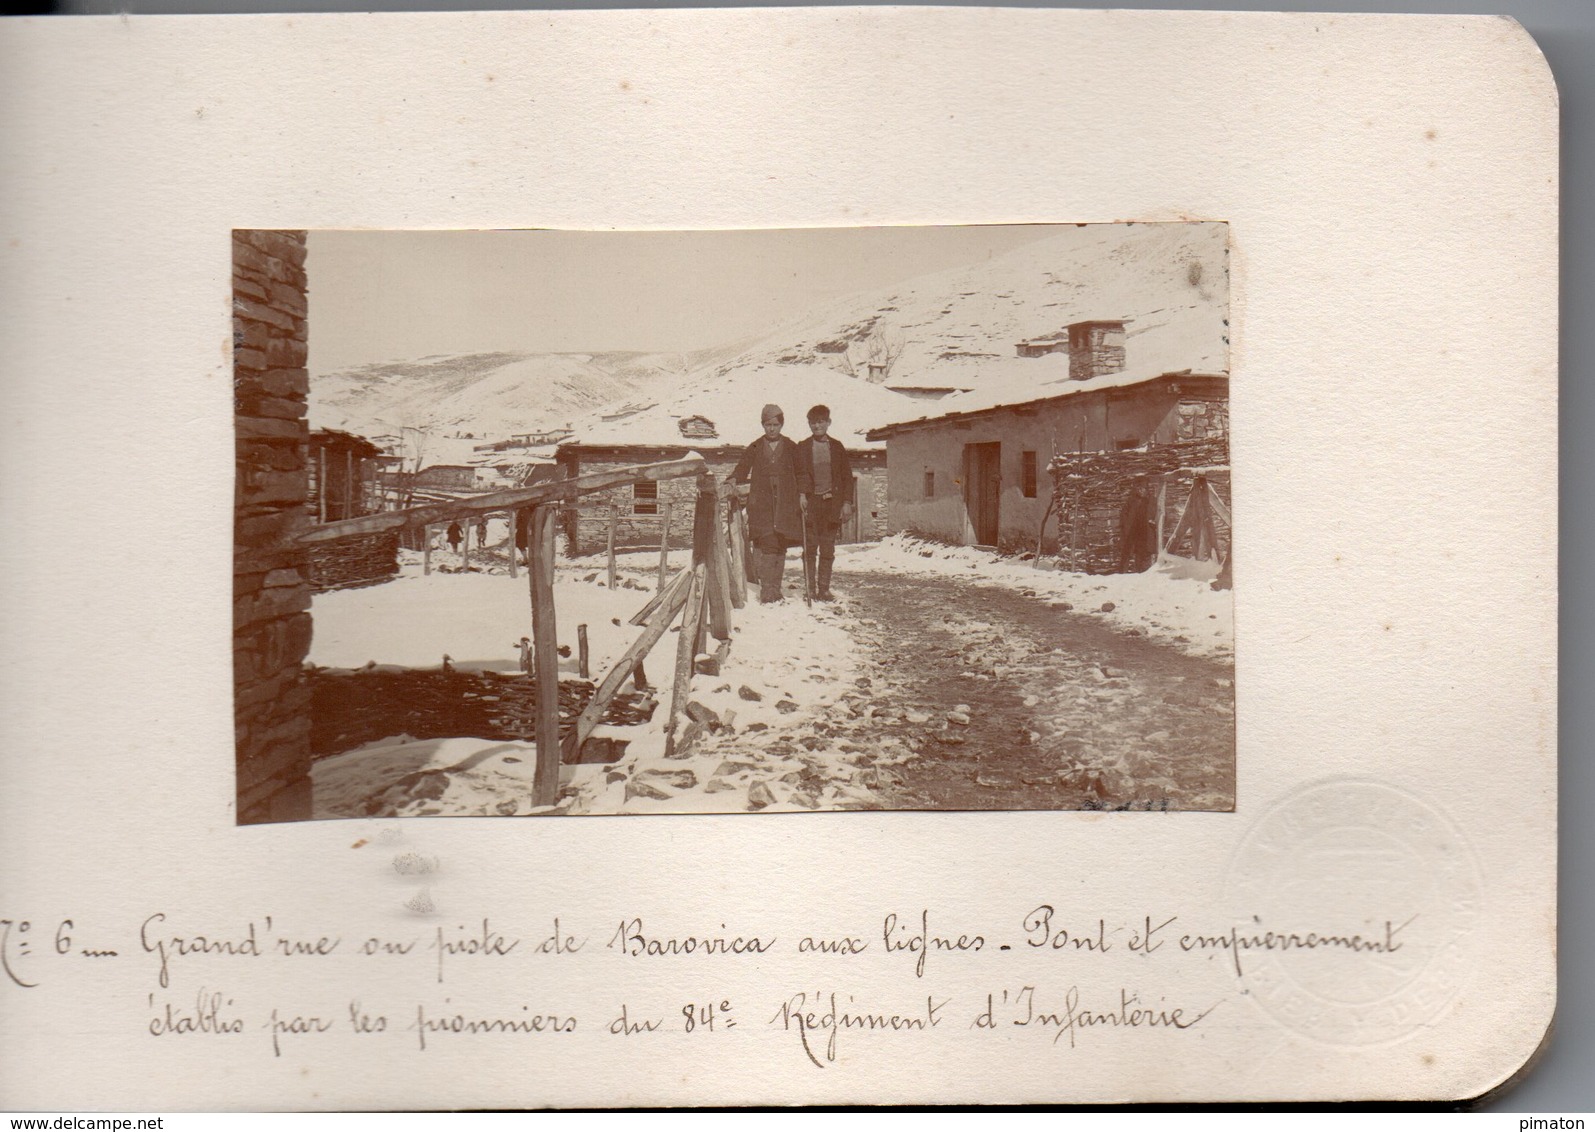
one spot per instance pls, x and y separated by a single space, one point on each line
717 422
974 469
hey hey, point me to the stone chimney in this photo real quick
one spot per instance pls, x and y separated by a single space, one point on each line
1096 348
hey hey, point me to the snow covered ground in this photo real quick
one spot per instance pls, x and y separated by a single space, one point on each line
1173 603
795 683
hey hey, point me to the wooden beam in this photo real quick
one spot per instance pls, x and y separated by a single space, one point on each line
736 565
664 546
515 526
548 492
679 582
609 545
321 484
630 663
718 565
686 650
545 784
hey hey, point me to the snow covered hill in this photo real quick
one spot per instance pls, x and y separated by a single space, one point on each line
952 330
492 394
958 329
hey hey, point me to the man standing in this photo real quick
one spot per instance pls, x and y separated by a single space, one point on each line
825 476
767 476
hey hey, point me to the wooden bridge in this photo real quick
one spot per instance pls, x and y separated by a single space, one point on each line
702 595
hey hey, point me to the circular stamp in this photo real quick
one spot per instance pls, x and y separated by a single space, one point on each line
1352 905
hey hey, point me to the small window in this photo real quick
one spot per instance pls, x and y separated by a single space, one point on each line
1027 474
645 497
1124 445
930 485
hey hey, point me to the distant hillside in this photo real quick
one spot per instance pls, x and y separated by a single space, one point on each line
492 394
958 329
952 330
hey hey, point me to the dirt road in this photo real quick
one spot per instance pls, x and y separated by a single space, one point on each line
994 700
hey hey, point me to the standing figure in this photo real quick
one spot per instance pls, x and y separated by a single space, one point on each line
523 521
767 475
527 661
455 535
825 477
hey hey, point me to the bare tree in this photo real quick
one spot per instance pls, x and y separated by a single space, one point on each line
871 357
880 352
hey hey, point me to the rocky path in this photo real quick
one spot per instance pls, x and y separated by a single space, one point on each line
994 700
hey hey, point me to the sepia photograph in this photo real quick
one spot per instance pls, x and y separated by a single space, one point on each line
597 523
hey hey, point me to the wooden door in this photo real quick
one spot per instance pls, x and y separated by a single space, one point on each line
983 490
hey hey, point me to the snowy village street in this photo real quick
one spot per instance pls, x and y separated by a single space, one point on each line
1010 704
1019 441
942 678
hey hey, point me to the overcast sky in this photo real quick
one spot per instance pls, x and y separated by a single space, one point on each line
389 296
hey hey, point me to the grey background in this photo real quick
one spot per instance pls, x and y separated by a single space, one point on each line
1563 1080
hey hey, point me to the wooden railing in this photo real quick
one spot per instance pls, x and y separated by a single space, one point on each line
702 595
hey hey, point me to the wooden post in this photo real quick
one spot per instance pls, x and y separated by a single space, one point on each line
321 484
515 527
609 550
686 651
581 653
718 581
426 550
726 534
639 678
664 547
540 541
739 564
348 483
703 554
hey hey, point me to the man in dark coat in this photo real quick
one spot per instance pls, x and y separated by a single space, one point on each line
767 476
825 479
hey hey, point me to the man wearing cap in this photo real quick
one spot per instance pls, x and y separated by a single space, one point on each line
767 475
825 479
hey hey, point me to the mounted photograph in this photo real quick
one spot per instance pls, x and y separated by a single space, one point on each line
537 522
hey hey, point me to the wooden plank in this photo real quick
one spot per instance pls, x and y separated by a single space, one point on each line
515 522
718 581
609 546
321 484
630 664
678 583
686 648
703 555
664 548
548 492
739 562
426 550
581 653
545 645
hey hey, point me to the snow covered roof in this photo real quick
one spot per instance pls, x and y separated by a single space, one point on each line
732 400
1014 393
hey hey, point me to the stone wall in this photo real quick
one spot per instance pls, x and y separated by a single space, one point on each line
586 523
271 576
351 562
1091 490
1202 418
